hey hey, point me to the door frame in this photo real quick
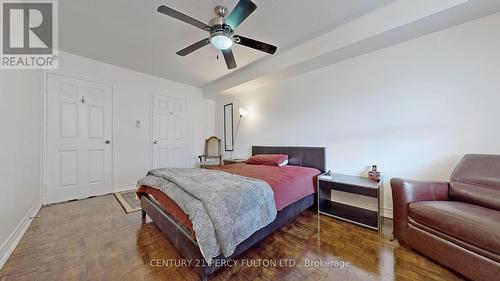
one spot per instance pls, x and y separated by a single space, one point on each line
151 128
44 133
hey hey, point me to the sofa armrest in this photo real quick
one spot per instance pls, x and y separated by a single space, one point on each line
405 192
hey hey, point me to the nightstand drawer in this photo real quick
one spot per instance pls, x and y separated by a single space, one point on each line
354 189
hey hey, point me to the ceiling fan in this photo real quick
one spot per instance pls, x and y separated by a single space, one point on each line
221 30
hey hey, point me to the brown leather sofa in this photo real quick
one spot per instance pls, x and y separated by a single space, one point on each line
456 223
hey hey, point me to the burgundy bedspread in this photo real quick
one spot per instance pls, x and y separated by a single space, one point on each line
289 183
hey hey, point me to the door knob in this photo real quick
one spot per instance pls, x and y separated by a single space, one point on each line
155 142
107 142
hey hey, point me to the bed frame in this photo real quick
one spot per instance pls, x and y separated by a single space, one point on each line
178 235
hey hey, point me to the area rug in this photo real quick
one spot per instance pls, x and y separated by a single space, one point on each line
129 201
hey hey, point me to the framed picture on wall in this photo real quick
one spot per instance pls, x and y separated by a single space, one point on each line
228 127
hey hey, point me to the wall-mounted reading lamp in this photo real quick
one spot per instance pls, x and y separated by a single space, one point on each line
243 112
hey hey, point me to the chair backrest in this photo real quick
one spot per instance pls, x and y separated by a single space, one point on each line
213 147
476 180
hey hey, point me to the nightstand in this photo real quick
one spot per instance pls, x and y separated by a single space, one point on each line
364 216
234 161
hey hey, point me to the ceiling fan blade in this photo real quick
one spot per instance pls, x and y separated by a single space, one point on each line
242 10
182 17
261 46
189 49
229 57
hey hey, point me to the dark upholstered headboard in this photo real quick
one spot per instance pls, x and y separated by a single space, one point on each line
313 157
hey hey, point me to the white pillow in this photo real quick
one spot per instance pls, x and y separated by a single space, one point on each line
284 163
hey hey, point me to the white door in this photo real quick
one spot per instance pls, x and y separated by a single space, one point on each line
79 130
168 134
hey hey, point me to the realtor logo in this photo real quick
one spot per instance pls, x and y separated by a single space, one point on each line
29 34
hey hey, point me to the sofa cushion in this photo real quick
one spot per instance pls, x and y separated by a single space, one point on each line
476 225
476 180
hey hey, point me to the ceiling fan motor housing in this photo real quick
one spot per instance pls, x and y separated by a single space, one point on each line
221 11
217 23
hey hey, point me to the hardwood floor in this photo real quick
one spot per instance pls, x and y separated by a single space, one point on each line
94 239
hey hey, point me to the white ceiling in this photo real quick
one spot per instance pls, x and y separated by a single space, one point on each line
131 34
378 29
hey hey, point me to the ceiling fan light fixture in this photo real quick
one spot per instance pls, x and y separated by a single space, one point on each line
221 40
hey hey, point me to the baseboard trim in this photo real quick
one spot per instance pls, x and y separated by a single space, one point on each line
124 187
388 213
11 242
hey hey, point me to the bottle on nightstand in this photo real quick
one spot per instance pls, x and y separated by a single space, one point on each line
374 175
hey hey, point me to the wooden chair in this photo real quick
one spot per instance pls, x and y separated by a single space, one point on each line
213 153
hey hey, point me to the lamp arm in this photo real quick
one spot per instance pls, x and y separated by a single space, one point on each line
236 132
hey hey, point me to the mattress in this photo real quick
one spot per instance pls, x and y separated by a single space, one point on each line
289 184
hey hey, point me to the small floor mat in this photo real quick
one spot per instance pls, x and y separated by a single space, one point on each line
129 201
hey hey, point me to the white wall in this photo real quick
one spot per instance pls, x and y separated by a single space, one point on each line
132 93
414 108
20 137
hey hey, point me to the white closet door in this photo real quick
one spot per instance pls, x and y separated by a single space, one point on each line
168 148
79 130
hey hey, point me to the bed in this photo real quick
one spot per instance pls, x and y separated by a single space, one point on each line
290 199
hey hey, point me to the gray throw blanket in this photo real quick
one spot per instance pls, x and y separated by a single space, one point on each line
225 209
